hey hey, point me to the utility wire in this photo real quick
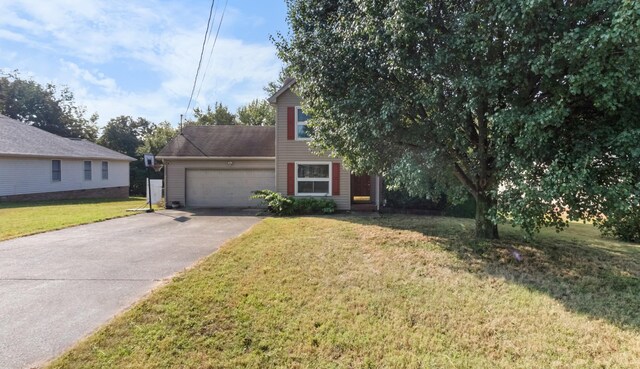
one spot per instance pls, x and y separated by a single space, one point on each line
204 43
212 47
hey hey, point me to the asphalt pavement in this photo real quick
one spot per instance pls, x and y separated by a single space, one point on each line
58 287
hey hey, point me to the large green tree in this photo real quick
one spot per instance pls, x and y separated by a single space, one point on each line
157 138
126 135
219 115
257 113
531 106
46 107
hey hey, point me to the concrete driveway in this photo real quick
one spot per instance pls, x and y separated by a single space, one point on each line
58 287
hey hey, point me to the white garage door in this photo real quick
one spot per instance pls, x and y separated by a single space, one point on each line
226 188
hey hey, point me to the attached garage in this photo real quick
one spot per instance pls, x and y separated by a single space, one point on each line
219 166
226 188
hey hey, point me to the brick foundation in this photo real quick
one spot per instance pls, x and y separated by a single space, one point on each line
91 193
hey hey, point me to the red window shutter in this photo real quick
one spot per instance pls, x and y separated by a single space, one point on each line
335 179
291 123
291 179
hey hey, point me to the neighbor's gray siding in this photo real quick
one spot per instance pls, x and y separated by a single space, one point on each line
291 151
175 172
20 176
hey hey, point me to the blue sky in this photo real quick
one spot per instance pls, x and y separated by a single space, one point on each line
139 57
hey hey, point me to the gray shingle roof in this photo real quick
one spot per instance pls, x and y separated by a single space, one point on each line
20 139
222 141
290 81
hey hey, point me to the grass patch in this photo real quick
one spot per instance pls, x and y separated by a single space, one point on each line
26 218
394 292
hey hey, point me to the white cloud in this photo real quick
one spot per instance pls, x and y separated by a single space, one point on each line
97 79
88 38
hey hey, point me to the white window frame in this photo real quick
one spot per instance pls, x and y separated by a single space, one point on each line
60 171
102 171
329 179
298 138
84 170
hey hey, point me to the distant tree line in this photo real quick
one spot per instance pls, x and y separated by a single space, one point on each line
55 110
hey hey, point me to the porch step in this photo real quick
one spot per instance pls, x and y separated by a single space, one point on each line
363 207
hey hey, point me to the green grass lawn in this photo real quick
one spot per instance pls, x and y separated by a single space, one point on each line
393 292
25 218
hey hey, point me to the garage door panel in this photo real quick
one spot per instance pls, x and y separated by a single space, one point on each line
226 188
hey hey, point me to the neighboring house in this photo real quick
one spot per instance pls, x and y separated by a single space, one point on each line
38 165
219 166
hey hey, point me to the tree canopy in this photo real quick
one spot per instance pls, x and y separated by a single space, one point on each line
157 138
219 115
46 107
125 134
530 106
257 113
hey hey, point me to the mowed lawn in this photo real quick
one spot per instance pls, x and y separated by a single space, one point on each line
393 292
25 218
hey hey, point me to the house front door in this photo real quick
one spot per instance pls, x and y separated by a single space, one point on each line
360 188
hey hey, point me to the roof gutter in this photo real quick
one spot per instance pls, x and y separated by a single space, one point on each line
216 157
43 156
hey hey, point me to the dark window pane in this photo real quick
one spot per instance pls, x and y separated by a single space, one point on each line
305 187
313 171
302 117
56 170
316 187
303 131
321 187
87 170
105 170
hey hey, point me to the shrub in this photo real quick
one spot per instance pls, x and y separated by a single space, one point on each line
279 204
275 202
625 227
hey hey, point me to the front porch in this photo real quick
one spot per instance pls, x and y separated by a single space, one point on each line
365 192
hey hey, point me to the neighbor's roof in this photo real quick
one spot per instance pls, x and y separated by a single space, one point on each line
20 139
285 86
222 141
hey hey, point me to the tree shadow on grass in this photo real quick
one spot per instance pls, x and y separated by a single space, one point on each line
588 274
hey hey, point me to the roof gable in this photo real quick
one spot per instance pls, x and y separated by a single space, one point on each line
288 83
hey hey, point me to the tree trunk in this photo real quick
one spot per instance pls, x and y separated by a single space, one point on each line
485 228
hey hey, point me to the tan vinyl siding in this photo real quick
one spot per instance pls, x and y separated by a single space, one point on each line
20 176
175 172
291 151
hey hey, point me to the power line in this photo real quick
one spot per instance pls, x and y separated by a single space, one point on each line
212 47
204 43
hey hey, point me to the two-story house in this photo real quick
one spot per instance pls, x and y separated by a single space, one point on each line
219 166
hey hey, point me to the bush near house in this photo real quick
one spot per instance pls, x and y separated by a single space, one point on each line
279 204
400 200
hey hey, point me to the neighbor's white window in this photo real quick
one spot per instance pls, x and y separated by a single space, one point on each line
87 170
302 129
313 179
56 171
105 170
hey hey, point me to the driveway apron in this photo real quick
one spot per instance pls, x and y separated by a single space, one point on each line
58 287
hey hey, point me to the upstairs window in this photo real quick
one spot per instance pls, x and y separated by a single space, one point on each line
303 132
56 171
87 170
105 170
